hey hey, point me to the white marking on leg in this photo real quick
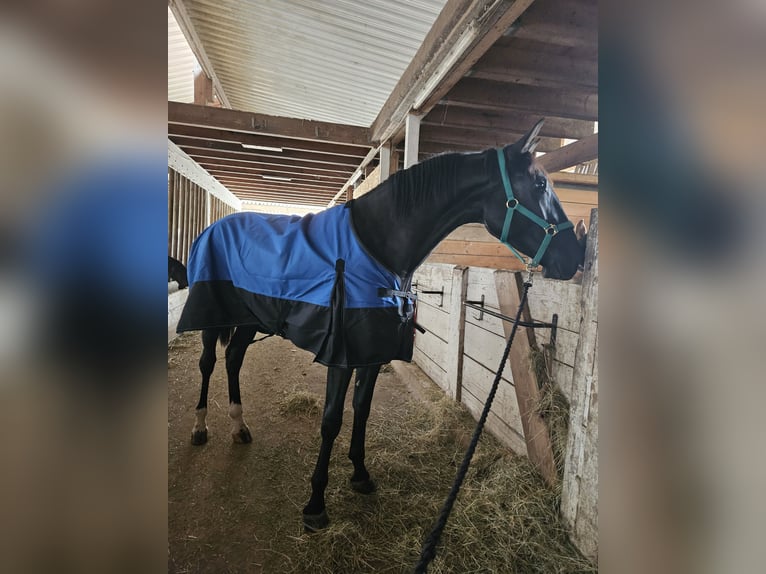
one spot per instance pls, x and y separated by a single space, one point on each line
200 425
237 421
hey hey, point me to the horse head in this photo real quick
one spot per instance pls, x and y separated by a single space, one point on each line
525 213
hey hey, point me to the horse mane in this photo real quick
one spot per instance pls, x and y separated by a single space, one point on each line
416 187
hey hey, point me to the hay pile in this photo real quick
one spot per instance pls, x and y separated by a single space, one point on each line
505 519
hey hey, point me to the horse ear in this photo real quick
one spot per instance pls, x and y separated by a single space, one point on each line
580 229
530 140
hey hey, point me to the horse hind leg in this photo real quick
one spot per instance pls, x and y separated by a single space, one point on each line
364 387
235 354
206 366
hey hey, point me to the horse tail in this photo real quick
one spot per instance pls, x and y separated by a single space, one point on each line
224 335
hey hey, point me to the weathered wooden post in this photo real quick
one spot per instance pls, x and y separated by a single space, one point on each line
579 499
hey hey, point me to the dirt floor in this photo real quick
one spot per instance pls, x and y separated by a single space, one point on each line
237 508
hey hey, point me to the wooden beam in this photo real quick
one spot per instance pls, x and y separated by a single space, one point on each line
528 62
203 88
525 382
572 23
276 171
574 104
270 163
510 120
235 151
411 140
464 30
480 139
187 27
212 134
580 151
249 122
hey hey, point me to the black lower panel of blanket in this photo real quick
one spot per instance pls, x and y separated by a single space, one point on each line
338 337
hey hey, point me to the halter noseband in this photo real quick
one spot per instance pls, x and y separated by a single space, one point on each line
513 206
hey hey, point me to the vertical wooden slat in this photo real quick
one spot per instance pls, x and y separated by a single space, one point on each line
195 221
170 208
184 214
456 339
174 249
192 214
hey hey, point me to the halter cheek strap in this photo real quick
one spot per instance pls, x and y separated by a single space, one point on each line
513 206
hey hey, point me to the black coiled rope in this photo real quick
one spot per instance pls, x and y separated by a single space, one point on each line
428 552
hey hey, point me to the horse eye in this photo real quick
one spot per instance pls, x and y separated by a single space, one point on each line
541 184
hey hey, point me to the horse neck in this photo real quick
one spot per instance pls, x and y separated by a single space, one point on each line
400 231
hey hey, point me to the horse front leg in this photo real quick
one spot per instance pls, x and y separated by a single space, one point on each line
363 390
314 513
235 354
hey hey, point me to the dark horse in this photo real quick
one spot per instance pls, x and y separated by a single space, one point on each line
177 272
395 226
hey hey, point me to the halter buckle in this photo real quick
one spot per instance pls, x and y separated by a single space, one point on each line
551 230
515 203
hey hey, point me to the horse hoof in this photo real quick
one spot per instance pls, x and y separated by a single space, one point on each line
363 486
315 522
243 436
199 437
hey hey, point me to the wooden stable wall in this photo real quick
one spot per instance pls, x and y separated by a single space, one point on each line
461 349
484 340
188 213
472 245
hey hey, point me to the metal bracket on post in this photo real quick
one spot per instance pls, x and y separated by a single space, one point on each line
554 327
477 305
440 293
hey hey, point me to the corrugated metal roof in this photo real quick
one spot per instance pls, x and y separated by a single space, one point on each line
331 60
181 64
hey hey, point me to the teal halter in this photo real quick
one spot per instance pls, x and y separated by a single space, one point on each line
513 206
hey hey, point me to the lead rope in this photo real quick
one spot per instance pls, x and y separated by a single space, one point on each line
428 552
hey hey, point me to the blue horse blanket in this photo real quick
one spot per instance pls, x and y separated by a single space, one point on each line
307 279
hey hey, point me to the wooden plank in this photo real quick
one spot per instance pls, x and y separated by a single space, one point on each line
281 171
434 319
505 262
503 421
571 23
249 122
535 64
246 164
237 152
456 340
235 137
580 151
579 502
422 357
572 103
527 391
479 138
567 179
171 175
508 120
